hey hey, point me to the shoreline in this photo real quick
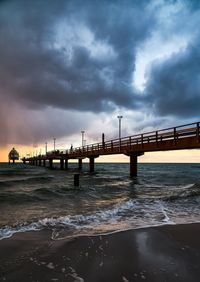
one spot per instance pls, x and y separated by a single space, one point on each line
161 253
170 223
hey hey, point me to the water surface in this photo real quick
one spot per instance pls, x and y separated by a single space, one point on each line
33 198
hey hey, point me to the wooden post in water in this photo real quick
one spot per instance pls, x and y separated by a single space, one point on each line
76 179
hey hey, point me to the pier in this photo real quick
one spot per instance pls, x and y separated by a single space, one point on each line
175 138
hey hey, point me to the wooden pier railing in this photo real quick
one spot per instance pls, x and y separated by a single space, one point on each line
174 138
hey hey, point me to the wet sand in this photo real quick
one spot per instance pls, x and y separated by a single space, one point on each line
167 253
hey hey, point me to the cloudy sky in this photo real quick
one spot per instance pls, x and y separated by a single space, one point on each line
72 65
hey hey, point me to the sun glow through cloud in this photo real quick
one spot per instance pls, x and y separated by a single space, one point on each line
153 50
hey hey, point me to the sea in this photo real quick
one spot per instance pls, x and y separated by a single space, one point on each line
108 200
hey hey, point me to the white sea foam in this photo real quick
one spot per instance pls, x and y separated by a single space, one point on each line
105 206
124 215
120 216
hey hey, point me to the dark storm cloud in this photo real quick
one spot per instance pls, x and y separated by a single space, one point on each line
80 56
174 85
37 74
66 55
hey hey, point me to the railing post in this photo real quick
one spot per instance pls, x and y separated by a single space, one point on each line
112 145
157 138
142 140
103 141
175 135
198 132
130 142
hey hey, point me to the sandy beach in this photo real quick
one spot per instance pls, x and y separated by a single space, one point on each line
166 253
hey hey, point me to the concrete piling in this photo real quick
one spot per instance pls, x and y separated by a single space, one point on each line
61 164
91 164
79 163
133 165
66 164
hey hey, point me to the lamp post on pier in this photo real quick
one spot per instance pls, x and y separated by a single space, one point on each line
54 144
82 133
46 147
120 118
35 145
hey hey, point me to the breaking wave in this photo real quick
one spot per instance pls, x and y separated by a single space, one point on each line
122 216
106 202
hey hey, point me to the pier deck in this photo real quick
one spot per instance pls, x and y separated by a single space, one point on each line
175 138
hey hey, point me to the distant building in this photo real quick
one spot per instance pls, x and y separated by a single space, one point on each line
13 155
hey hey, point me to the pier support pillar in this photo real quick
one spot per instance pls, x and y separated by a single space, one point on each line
133 162
133 165
66 164
40 162
44 162
36 162
61 164
50 163
91 164
79 163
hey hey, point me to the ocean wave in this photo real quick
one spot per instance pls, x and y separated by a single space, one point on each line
167 193
190 190
39 194
30 180
45 192
18 198
137 212
120 216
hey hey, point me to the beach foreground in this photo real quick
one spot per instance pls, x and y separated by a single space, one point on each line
166 253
